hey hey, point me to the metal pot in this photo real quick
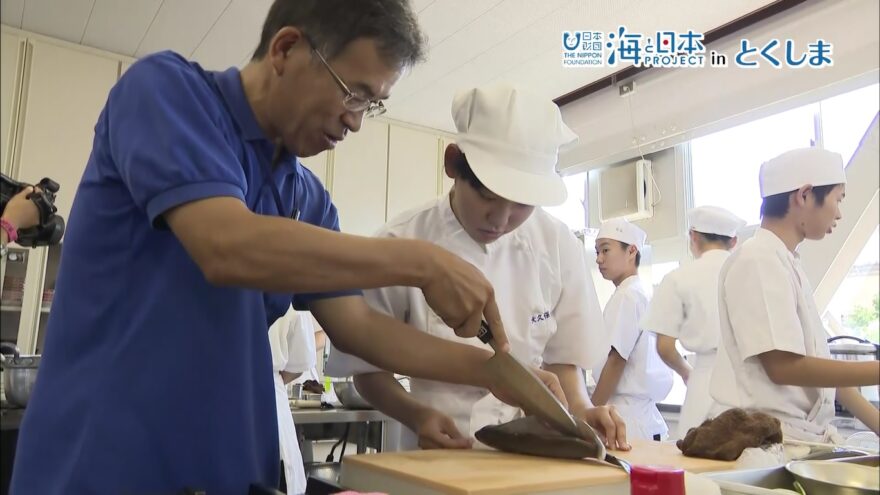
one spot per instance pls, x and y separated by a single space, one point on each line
19 374
859 350
349 396
856 349
834 478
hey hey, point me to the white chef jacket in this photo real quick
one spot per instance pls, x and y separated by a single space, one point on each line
646 379
766 303
544 293
685 307
292 341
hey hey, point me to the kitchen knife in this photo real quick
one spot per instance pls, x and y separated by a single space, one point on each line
526 388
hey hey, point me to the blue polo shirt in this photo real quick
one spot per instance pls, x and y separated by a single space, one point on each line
153 380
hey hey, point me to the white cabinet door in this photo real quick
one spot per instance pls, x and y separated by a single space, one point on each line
318 165
360 171
11 61
66 91
413 169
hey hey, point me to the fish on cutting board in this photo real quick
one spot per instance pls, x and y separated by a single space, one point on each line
530 436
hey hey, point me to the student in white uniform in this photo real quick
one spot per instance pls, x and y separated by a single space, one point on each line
685 308
633 377
503 165
292 341
770 327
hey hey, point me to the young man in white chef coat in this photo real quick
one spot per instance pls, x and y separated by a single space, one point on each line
685 308
503 164
633 377
770 327
292 341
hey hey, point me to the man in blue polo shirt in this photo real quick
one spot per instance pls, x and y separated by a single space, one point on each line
182 247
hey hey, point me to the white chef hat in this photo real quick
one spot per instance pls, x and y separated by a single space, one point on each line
714 220
619 229
511 139
797 168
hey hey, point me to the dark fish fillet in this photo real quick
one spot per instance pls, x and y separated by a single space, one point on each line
532 437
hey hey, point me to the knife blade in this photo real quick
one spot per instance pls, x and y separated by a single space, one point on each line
526 388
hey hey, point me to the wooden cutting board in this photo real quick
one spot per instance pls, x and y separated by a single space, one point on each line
485 472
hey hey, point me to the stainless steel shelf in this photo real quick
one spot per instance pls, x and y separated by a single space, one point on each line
14 309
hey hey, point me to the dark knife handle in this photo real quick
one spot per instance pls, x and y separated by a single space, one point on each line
485 333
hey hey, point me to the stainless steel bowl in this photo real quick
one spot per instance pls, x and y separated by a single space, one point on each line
19 375
835 478
349 396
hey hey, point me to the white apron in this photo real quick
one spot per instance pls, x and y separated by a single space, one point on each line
294 472
698 401
643 419
817 427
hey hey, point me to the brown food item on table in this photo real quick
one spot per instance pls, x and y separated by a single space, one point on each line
532 437
726 436
313 387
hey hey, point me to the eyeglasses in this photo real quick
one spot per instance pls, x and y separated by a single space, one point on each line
352 101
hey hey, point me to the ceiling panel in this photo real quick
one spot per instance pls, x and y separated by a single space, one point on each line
471 42
180 25
10 12
235 35
494 29
120 26
507 38
62 19
440 20
531 57
420 5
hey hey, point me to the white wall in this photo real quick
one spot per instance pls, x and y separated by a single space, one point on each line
673 106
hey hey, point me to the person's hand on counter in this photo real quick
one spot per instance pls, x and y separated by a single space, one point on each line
438 431
607 422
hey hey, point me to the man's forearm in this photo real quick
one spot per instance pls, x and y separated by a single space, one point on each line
610 377
236 247
785 368
418 354
298 257
853 401
572 381
392 345
669 354
386 394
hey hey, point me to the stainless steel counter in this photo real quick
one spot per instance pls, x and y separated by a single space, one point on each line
314 416
370 428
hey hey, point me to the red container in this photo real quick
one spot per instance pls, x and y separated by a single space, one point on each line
656 480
